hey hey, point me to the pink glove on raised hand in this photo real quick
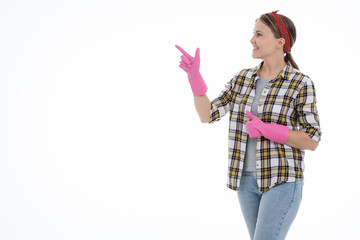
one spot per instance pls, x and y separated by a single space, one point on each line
192 66
274 132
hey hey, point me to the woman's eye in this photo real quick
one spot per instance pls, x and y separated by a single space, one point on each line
258 34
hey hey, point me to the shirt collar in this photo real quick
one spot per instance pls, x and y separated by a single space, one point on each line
284 74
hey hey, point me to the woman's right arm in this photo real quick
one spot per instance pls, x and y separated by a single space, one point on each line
191 66
203 107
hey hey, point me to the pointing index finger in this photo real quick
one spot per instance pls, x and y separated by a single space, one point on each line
183 51
251 116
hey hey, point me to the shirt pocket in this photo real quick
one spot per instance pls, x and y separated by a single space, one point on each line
240 100
283 102
279 107
238 106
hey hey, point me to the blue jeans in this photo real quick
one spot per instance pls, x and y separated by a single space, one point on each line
268 215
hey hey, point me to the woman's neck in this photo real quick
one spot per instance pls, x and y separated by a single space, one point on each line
272 67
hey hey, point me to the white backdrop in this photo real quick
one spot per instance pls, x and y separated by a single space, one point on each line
99 138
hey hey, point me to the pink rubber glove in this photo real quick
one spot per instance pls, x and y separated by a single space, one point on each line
274 132
192 66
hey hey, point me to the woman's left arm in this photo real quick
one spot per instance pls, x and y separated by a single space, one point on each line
308 135
301 140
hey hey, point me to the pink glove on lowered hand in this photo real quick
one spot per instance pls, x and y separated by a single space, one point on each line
192 66
274 132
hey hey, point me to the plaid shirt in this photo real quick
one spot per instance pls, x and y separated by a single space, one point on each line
288 100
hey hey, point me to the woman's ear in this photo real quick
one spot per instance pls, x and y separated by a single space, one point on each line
281 42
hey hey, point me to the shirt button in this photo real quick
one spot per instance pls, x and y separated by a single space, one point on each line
259 105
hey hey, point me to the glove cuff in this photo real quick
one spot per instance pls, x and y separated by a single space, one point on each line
197 83
276 132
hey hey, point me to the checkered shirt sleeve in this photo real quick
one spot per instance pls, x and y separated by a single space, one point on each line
221 105
309 121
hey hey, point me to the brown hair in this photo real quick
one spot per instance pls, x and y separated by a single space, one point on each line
269 21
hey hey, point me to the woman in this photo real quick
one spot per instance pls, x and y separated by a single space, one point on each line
273 119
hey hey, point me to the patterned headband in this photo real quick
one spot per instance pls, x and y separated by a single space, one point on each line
282 27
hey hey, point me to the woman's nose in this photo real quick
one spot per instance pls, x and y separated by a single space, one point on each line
252 39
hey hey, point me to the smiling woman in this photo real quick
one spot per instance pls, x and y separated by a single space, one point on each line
287 36
273 119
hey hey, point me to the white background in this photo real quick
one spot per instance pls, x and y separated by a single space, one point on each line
99 138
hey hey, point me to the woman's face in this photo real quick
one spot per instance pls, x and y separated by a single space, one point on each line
264 43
